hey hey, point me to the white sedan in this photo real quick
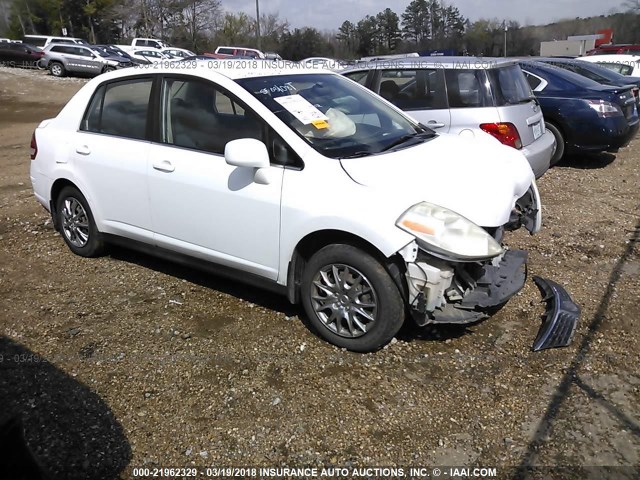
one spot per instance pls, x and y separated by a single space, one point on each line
297 180
622 64
150 55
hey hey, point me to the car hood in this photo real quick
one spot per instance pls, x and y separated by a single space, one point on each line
479 179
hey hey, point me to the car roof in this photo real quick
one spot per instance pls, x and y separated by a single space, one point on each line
232 69
437 61
611 58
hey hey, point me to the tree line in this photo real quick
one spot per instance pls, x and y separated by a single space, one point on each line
201 25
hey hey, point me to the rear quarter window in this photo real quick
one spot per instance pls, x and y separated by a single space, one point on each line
360 77
533 81
119 109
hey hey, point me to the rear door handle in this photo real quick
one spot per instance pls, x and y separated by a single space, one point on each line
164 166
83 150
434 124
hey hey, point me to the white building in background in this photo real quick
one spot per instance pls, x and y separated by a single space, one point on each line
574 46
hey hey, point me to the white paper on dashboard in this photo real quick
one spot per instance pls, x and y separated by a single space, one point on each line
301 108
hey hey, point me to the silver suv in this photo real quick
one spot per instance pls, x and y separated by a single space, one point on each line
464 96
77 59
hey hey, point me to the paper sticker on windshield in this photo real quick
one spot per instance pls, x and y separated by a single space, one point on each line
320 124
302 109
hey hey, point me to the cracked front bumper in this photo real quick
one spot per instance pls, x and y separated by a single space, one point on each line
475 290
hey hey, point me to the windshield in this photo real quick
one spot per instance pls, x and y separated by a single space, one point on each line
509 85
336 117
103 52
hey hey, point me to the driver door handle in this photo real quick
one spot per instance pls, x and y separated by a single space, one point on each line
434 124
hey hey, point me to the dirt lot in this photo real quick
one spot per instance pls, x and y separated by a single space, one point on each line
128 361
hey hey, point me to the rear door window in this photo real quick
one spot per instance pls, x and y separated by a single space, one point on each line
421 89
120 109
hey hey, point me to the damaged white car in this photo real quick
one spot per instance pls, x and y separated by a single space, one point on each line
296 180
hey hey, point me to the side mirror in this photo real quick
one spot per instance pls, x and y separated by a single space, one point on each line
246 152
249 153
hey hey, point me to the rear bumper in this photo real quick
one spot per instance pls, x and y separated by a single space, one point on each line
539 153
605 134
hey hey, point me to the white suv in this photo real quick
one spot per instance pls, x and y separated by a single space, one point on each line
300 181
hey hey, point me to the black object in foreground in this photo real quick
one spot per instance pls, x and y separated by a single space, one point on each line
560 317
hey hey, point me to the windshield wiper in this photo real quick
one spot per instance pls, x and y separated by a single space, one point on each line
360 153
523 100
407 138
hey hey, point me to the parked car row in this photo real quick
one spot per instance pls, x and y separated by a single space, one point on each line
74 56
572 106
528 104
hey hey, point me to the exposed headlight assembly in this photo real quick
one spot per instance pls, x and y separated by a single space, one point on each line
447 235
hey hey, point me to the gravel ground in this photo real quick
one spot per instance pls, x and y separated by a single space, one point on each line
128 361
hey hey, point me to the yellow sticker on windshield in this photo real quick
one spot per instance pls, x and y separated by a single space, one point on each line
319 124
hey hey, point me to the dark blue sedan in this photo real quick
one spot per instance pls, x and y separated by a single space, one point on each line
583 115
595 72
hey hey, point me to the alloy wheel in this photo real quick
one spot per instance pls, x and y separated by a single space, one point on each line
344 300
75 222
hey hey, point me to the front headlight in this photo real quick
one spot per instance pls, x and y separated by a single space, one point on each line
448 235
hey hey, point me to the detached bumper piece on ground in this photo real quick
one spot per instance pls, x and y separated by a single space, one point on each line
560 317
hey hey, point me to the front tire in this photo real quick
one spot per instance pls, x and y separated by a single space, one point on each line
560 144
56 69
350 299
77 225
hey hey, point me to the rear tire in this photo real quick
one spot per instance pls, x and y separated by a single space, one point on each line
77 225
560 143
350 299
56 69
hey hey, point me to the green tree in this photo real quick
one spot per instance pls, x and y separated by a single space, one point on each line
389 27
368 36
347 36
304 42
415 21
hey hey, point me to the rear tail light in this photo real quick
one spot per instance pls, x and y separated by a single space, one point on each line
506 133
34 146
605 109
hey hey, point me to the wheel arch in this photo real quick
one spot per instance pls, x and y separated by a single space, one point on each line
558 123
317 240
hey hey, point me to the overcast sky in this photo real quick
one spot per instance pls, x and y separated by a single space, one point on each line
329 14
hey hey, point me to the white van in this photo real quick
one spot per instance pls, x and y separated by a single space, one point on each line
239 52
44 40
